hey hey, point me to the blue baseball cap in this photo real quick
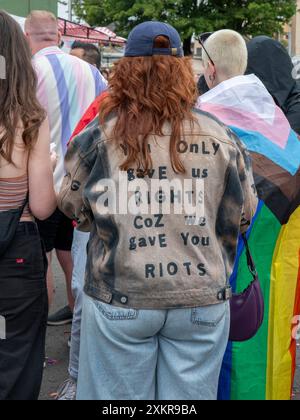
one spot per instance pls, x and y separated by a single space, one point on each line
141 40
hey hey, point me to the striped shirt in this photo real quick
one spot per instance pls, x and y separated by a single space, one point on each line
66 88
13 192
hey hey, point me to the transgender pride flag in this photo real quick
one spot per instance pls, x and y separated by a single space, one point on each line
264 367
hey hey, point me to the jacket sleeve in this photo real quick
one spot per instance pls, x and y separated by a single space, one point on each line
79 161
244 164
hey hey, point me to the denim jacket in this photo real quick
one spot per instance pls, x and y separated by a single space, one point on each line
141 254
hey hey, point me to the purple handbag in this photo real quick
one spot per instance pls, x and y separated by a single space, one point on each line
247 309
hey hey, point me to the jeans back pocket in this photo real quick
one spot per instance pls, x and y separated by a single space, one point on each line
209 316
114 313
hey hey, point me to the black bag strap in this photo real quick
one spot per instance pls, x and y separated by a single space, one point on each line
250 261
226 293
26 201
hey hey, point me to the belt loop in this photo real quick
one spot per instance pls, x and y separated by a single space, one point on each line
225 294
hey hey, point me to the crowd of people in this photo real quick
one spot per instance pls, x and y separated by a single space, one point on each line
143 186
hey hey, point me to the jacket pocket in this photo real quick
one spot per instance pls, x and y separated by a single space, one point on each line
209 316
114 313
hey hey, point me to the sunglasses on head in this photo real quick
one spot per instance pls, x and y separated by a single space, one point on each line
202 39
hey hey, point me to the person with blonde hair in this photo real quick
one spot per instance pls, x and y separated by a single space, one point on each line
156 315
262 368
230 57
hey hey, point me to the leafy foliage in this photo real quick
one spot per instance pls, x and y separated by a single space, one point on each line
248 17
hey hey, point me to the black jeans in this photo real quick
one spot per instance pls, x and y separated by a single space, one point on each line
23 312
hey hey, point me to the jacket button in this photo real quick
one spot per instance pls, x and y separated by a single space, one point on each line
124 300
75 186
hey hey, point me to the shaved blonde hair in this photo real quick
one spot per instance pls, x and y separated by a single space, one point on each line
42 26
228 50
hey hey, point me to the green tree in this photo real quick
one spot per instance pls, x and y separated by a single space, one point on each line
248 17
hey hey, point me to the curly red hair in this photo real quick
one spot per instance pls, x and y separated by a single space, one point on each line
145 93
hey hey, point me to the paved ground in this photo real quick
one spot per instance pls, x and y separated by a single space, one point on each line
57 350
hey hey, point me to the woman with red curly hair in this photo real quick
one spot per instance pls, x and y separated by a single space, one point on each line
165 191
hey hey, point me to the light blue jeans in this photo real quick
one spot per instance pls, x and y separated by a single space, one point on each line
79 254
129 354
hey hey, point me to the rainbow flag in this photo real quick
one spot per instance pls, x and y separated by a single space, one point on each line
264 367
